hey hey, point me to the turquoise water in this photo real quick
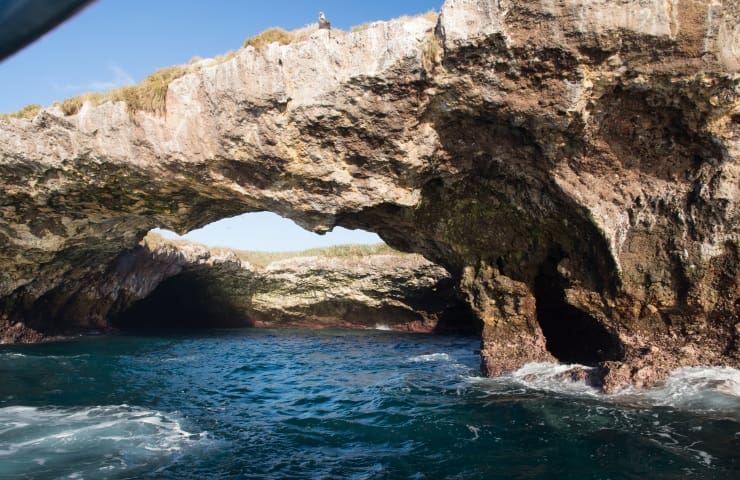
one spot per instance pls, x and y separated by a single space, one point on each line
355 405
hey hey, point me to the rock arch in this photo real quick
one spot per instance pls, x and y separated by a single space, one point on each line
538 128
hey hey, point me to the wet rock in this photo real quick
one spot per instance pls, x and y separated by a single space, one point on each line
575 374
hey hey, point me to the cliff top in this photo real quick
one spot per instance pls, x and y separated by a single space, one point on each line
261 260
151 93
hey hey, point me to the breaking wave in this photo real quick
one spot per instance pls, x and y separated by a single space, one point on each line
105 441
697 389
329 404
430 357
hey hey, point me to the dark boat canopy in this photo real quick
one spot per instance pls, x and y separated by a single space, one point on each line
23 21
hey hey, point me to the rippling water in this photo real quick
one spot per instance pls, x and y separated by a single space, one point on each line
358 405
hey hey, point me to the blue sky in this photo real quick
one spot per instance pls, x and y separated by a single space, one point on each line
267 232
116 42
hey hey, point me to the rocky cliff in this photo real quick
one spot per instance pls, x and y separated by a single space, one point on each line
572 163
164 283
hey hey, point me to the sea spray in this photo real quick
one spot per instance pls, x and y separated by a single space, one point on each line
101 440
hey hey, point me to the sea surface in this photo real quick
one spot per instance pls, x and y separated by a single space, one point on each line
263 404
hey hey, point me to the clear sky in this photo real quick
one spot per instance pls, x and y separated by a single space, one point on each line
267 232
117 42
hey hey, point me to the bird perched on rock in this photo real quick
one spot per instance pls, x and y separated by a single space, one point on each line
323 22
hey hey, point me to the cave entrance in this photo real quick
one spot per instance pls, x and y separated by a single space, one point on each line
284 276
572 335
187 300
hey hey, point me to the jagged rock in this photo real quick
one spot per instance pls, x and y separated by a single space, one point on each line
582 153
164 283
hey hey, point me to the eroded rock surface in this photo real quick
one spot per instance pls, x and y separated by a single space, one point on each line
175 284
573 159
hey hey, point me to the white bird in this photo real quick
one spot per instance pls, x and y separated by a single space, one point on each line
323 22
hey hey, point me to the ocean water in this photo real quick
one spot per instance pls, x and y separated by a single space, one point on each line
262 404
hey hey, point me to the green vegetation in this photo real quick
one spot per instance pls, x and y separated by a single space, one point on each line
28 112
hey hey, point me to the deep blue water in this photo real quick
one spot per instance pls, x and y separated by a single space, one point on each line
356 405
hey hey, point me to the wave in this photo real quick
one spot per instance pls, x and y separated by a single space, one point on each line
710 389
430 357
18 356
9 355
555 377
658 413
102 440
698 389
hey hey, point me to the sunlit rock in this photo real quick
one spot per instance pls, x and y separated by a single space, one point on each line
507 138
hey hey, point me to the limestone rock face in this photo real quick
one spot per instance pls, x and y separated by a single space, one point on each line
575 159
175 284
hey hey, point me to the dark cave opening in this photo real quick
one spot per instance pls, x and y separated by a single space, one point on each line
204 299
572 335
228 295
182 301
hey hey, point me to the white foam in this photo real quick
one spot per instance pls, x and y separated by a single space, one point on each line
695 388
382 327
43 437
548 377
9 355
19 356
710 389
553 377
430 357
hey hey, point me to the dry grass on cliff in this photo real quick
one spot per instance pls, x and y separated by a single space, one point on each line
73 105
259 259
225 57
151 94
271 35
284 37
27 112
280 36
148 96
360 28
432 15
431 53
262 259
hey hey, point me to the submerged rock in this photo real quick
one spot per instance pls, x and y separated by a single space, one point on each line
573 165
